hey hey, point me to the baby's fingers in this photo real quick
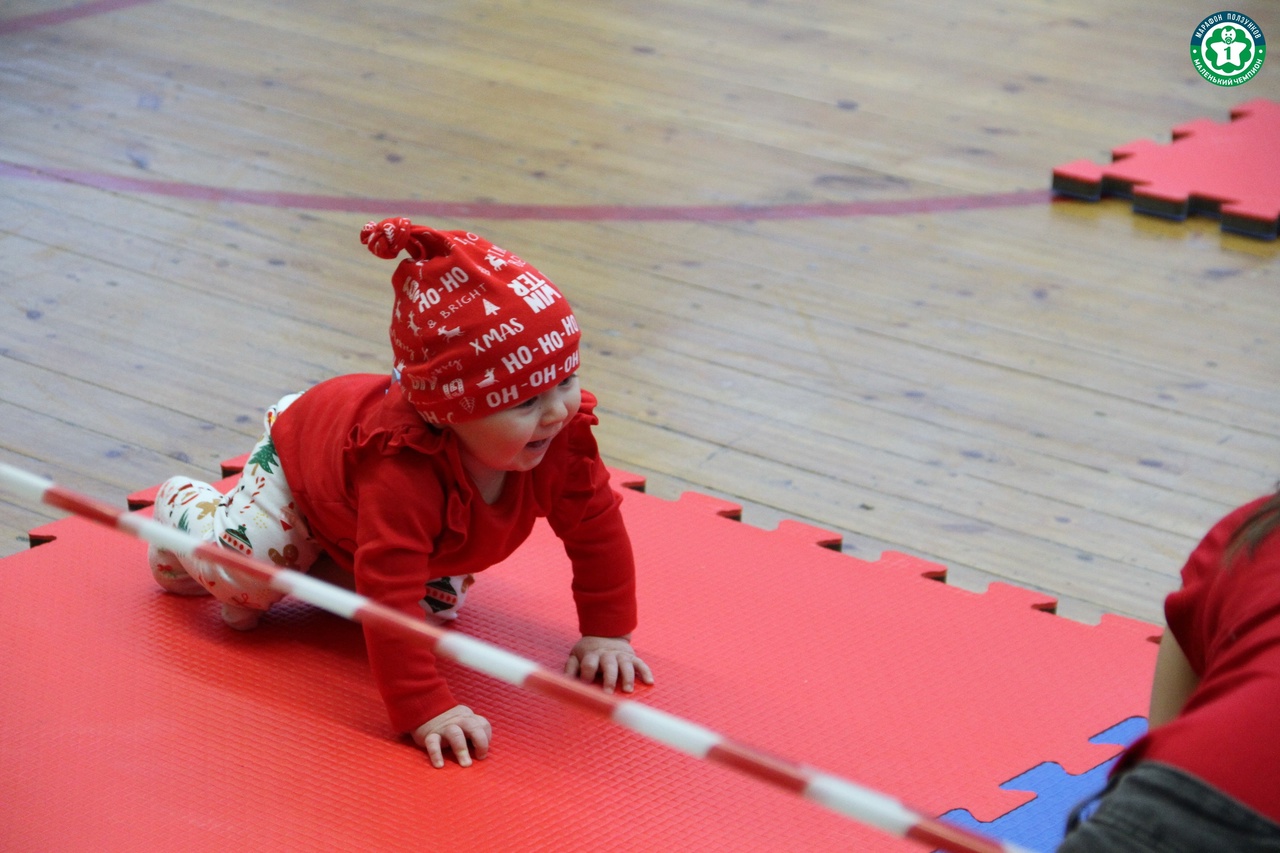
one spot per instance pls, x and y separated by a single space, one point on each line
457 740
431 743
628 668
479 735
609 672
642 669
589 666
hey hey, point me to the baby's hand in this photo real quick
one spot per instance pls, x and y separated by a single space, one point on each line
612 658
453 729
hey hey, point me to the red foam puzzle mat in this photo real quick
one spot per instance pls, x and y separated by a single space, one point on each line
131 719
1229 170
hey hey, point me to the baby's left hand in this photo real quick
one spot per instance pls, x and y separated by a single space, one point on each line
612 658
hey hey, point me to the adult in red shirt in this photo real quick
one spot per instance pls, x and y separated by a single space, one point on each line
1206 777
416 481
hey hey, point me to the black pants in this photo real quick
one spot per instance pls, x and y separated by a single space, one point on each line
1155 808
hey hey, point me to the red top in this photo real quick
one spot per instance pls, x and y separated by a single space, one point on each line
1227 621
388 498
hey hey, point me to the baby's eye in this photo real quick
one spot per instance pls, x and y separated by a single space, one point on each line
569 380
527 404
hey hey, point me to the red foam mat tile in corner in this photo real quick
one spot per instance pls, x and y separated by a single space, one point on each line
1218 168
133 719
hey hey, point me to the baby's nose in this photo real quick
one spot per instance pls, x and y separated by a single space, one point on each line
550 412
555 410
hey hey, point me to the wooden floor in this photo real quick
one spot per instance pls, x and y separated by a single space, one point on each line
752 207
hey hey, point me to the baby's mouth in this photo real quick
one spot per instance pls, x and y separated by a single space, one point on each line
538 445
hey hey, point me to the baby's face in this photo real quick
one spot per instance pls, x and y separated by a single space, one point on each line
516 439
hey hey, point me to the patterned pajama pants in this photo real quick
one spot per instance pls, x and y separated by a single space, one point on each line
257 518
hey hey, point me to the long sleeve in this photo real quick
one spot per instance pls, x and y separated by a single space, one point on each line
588 519
392 566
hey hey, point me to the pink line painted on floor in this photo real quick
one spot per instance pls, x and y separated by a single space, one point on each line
547 212
62 16
481 210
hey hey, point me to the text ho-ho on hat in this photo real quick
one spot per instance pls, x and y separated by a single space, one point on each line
474 329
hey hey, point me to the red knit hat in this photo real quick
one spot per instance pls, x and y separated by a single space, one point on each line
475 329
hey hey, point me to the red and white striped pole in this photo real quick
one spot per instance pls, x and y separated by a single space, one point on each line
847 798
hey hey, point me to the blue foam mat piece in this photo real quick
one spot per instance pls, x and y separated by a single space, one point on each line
1041 824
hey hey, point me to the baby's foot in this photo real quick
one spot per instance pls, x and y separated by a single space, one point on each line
169 572
240 618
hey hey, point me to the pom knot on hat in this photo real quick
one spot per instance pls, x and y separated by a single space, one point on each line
474 329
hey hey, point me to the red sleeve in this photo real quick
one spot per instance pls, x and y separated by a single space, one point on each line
1188 610
392 560
588 519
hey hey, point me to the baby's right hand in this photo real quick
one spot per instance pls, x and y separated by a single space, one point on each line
453 729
